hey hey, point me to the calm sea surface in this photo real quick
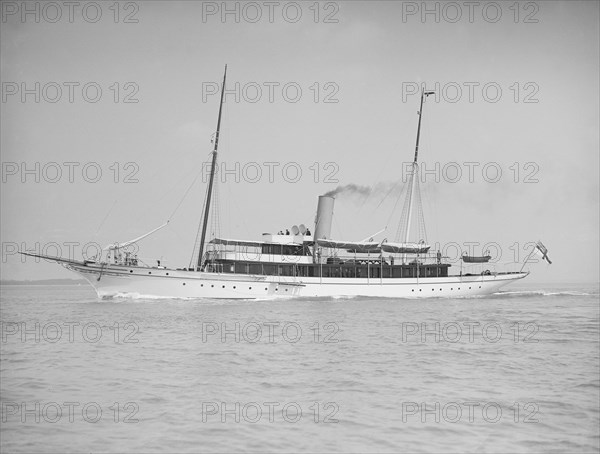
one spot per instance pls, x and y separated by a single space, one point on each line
514 372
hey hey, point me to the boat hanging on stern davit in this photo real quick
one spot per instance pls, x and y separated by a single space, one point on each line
299 263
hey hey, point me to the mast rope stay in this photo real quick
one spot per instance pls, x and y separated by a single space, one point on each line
184 195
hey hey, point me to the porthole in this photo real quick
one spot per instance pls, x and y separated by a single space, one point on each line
451 288
413 289
201 285
469 288
131 271
149 272
212 285
234 286
276 289
265 288
223 286
184 283
480 286
249 288
286 289
167 274
440 290
420 290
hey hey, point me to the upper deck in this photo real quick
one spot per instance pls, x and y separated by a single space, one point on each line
295 255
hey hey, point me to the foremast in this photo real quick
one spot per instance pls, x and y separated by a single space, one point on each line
211 180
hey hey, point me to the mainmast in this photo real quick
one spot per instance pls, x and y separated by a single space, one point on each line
212 177
415 166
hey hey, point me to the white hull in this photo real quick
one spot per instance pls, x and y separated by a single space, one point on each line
116 280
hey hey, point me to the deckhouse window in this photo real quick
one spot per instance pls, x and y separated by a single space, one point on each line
282 249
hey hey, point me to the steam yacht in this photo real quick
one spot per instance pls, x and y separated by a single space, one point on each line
300 263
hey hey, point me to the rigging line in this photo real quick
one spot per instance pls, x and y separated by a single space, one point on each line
196 241
337 227
372 191
180 181
382 169
216 212
403 224
139 210
185 195
228 203
105 218
395 205
431 209
177 234
420 216
196 248
387 194
127 195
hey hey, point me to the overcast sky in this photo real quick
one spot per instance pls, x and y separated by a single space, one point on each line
337 85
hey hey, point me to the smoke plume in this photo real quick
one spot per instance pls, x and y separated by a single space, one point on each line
350 189
361 191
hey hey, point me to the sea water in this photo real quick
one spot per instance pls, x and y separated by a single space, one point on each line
517 371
